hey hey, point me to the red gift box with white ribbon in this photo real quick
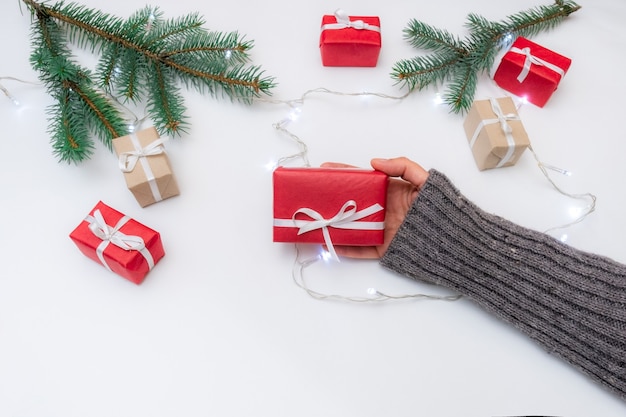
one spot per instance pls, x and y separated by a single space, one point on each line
331 206
350 41
531 71
120 243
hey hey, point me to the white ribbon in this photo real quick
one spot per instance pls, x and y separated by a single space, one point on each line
346 218
343 21
128 160
108 234
503 119
531 59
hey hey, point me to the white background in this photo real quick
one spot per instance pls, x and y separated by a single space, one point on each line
219 328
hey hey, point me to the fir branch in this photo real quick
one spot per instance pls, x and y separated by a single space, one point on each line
142 58
421 35
422 71
165 101
461 90
79 107
460 61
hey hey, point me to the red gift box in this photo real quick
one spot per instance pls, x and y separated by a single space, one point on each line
531 71
333 206
121 244
350 41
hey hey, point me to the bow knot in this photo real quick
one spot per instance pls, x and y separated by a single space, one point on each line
503 119
345 218
343 18
343 21
128 160
109 234
112 235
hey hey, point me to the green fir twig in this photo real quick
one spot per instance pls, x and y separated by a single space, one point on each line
143 59
460 61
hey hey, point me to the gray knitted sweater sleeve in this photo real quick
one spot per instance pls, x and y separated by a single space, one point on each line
571 302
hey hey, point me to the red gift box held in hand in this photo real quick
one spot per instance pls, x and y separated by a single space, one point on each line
350 41
331 206
121 244
531 71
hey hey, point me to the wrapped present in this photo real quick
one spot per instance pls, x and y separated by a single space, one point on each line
331 206
531 71
146 167
121 244
350 41
495 133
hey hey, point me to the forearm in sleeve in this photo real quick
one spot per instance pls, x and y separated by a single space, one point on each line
571 302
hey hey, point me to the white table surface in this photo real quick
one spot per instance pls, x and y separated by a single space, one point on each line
219 328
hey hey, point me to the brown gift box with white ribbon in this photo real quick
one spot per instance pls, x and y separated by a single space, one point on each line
146 167
495 133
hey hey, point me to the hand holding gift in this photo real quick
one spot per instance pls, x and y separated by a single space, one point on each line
401 192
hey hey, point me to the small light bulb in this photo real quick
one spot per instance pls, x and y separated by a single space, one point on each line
325 255
227 54
575 212
564 238
295 114
151 20
438 99
372 291
270 166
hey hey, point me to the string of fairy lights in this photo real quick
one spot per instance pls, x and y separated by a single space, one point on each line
283 126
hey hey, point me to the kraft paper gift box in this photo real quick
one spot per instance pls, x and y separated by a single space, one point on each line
495 133
531 71
350 41
329 206
120 243
146 167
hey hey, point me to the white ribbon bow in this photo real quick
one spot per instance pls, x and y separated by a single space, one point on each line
128 160
108 234
346 218
343 21
530 60
503 119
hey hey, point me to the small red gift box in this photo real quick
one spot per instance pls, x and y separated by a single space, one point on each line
350 41
333 206
531 71
121 244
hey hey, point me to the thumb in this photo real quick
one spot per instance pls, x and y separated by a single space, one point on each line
402 167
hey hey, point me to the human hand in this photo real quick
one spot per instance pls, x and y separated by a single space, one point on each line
400 196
